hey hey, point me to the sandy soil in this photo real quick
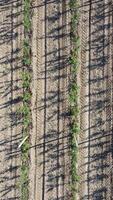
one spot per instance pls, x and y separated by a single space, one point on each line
96 146
10 88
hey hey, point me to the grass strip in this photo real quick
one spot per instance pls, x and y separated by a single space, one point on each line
26 98
74 95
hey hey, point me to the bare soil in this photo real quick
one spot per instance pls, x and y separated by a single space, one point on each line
49 172
95 163
11 33
50 162
49 153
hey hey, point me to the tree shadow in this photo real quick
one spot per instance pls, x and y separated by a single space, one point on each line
100 139
55 147
10 89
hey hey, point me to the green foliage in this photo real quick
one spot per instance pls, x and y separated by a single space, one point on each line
74 95
27 21
25 109
26 48
26 97
26 76
25 148
26 61
24 182
73 5
26 79
75 129
26 122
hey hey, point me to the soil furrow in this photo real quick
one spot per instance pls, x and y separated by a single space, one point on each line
37 131
52 54
64 71
84 101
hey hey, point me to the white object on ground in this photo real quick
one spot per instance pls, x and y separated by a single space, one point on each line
22 141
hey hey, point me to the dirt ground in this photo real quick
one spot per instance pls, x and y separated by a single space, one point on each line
96 143
49 153
49 172
50 135
11 33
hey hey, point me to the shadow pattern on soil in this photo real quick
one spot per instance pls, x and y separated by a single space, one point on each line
55 147
10 89
100 139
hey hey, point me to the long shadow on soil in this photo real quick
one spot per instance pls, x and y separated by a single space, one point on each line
55 146
10 130
100 139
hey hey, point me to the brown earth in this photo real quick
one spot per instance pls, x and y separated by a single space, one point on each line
95 163
49 153
11 33
50 162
